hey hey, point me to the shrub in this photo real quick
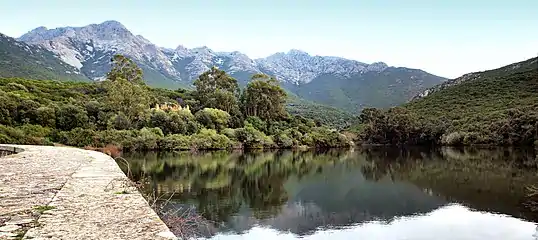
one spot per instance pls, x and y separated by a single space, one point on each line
230 133
325 138
284 141
46 116
120 121
175 142
251 137
174 122
453 138
78 137
16 87
210 139
213 118
70 116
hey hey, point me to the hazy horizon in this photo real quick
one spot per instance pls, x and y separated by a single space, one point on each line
447 39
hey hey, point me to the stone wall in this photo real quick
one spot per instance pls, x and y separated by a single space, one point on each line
68 193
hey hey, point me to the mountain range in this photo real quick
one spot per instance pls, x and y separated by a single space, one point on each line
84 53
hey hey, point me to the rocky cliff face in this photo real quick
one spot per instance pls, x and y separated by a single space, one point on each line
90 46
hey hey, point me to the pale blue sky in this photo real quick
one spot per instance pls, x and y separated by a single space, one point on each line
447 38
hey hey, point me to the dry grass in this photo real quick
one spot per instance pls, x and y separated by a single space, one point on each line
531 202
184 222
110 150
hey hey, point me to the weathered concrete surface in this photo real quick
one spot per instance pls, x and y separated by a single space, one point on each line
69 193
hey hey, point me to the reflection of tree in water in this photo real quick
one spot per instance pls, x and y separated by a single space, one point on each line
366 184
382 161
218 183
489 179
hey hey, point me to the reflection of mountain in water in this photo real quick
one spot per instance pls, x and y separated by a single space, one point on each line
303 191
446 223
339 197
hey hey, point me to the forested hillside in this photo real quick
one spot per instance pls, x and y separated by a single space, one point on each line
492 107
18 59
124 111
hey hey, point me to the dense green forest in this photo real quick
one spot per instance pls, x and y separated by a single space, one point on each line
124 111
498 107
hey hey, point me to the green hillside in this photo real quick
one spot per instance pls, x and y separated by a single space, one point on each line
388 88
492 107
323 114
485 97
18 59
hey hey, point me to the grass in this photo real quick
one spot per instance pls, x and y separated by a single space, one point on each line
44 208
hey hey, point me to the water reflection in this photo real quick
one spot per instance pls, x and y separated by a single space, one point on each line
306 192
446 223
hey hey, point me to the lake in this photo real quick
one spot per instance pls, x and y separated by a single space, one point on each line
366 193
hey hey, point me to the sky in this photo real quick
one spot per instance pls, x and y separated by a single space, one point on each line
444 37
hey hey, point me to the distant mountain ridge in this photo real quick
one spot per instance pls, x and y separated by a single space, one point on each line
89 49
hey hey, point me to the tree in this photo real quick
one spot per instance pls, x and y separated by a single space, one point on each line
125 68
70 116
216 89
126 91
213 118
264 98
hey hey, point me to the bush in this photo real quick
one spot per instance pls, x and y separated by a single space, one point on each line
145 139
16 87
70 116
46 116
257 123
213 118
120 121
283 141
175 142
325 138
453 138
26 134
115 137
230 133
11 135
35 130
251 137
78 137
210 139
174 122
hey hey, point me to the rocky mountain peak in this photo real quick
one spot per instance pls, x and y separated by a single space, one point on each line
111 24
180 48
89 48
94 44
203 50
377 66
297 52
39 29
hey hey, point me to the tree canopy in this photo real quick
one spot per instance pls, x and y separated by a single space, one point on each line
216 89
264 98
125 68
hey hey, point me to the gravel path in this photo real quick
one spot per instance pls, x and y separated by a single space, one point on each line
68 193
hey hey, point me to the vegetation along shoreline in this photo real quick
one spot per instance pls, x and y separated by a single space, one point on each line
123 111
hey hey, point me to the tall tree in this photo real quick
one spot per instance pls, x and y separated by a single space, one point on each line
125 68
126 91
216 89
264 98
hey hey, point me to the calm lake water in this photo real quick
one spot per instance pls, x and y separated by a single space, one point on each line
370 193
